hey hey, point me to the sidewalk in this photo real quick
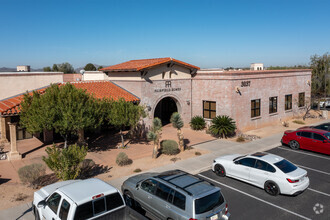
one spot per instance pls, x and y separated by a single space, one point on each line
193 165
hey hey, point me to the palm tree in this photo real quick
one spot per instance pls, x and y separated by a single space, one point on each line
154 135
177 123
222 126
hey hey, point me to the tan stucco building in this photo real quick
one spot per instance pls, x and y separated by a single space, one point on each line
252 98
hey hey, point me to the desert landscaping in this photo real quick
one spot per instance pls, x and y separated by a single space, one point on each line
104 153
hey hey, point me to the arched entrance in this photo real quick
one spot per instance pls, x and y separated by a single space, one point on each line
165 108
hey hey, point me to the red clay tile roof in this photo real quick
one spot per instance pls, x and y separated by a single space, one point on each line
138 65
100 89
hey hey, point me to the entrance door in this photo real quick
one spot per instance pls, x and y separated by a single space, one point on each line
164 109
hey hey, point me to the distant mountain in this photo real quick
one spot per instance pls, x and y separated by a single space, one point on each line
8 69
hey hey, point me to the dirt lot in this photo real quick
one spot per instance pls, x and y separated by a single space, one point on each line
13 192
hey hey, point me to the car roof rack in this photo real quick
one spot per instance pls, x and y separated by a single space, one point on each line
179 173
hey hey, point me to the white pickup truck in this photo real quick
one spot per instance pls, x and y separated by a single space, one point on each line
81 199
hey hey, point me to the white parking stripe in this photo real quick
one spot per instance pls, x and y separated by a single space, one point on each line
296 214
300 152
308 168
326 194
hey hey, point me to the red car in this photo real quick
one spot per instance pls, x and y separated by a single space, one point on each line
308 138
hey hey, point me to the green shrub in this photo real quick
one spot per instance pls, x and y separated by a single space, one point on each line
138 170
240 139
222 126
123 160
197 123
169 147
29 173
298 122
197 153
65 163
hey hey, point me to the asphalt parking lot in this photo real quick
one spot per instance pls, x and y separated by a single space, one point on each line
249 202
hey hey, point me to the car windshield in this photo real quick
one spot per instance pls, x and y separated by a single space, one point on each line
208 203
327 135
285 166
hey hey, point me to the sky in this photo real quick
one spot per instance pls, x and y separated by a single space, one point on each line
205 33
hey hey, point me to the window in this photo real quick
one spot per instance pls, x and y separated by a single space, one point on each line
325 127
271 169
209 109
255 108
301 99
261 165
285 166
99 206
53 202
84 211
272 104
149 186
288 102
306 134
163 191
113 201
318 137
179 200
65 207
163 75
249 162
208 202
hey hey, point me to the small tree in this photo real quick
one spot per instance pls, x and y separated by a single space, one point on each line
47 69
154 135
223 126
66 68
66 109
305 106
177 123
90 67
66 163
123 114
55 68
100 67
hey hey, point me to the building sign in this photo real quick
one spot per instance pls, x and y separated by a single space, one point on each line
245 83
168 88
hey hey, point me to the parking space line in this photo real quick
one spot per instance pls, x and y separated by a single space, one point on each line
299 152
323 193
308 168
264 201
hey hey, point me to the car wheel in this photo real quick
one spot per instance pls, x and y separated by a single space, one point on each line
294 145
272 188
129 199
219 170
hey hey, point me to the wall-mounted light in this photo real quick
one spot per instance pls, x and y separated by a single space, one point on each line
308 82
149 108
237 89
188 102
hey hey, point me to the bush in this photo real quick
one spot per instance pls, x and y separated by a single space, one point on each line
123 160
29 173
240 139
197 123
197 153
223 126
298 122
138 170
65 163
169 147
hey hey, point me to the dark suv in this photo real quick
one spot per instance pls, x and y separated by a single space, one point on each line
176 195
